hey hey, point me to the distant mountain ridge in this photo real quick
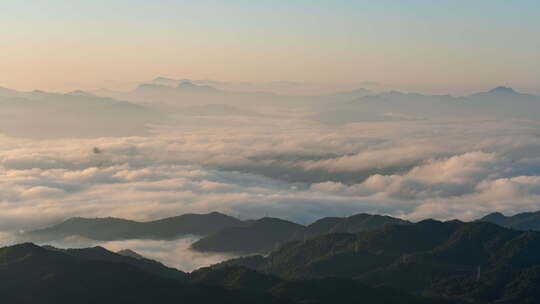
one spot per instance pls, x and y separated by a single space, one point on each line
265 235
106 229
223 233
220 232
397 106
39 114
520 221
261 236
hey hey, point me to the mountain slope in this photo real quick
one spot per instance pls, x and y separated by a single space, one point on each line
267 234
40 114
327 290
50 275
34 275
521 221
365 222
398 106
103 255
478 262
261 236
105 229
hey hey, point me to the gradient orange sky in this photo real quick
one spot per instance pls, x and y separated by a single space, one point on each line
450 46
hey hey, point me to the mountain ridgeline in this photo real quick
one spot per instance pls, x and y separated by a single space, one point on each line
362 258
221 233
521 221
267 234
94 275
106 229
474 262
33 274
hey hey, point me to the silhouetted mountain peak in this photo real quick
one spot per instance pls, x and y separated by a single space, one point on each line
428 222
130 253
190 86
111 228
520 221
493 217
273 220
186 84
152 86
163 79
81 93
28 247
20 252
502 90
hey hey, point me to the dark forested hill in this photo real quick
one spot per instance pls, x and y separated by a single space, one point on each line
261 236
424 262
352 224
520 221
267 234
221 233
478 262
32 274
106 229
103 255
327 290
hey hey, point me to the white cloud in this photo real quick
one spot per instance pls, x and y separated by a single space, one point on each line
413 169
281 163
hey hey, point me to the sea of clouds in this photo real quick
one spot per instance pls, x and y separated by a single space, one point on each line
282 165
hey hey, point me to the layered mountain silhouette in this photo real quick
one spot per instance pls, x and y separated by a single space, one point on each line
520 221
266 234
32 274
261 236
396 106
472 262
326 290
370 258
106 229
220 232
126 256
352 224
95 275
85 114
39 114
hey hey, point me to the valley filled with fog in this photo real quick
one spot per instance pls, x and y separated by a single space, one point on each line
169 147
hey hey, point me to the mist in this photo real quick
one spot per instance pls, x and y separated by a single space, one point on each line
170 147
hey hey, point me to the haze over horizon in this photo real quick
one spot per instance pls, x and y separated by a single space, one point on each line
454 47
298 110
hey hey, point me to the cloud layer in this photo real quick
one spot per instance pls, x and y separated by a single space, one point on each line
416 169
256 154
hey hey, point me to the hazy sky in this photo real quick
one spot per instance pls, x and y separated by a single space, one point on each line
446 45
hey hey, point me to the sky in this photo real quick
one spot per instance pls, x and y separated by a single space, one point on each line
431 46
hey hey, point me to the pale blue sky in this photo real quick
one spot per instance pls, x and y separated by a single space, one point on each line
60 44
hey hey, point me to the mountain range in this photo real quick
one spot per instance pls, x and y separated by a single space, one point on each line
219 232
106 229
223 233
33 274
521 221
397 106
370 258
474 262
39 114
